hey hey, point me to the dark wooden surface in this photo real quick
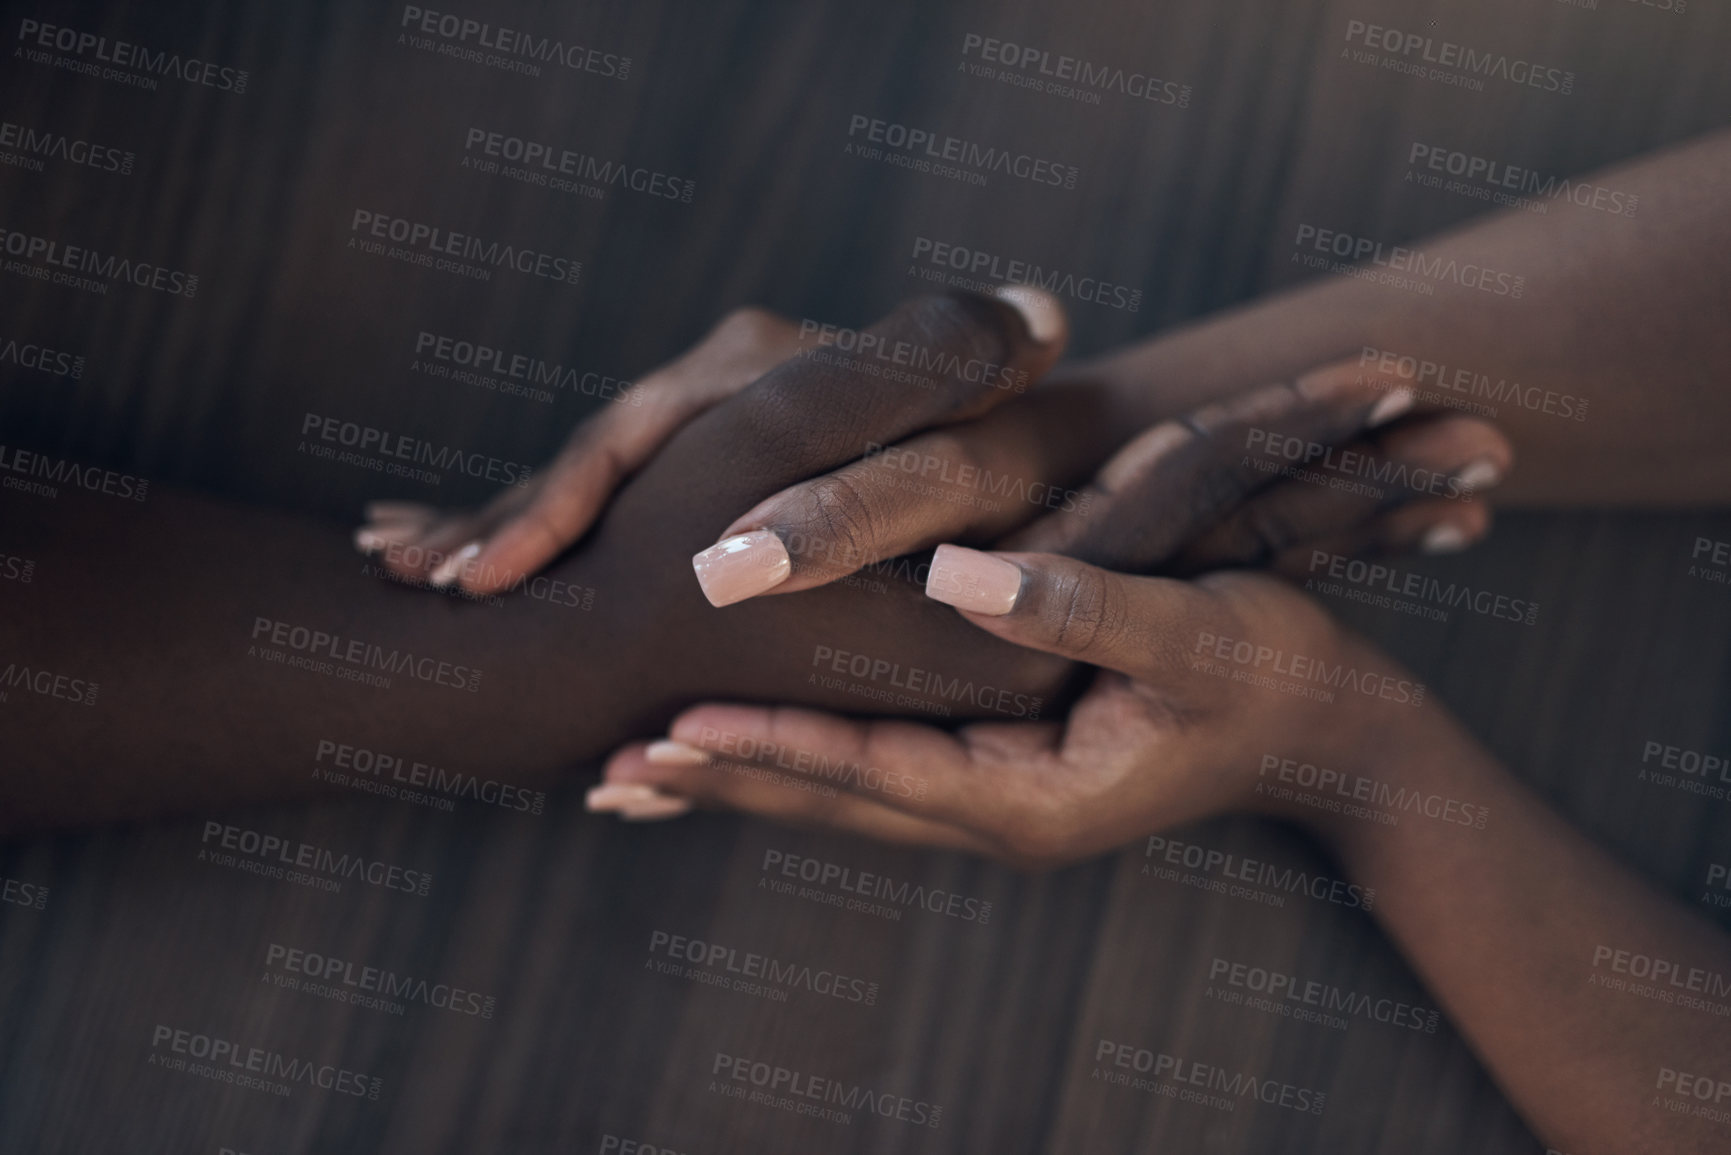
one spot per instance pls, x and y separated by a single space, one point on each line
553 914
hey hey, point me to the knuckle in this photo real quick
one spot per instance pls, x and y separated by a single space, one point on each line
843 520
965 324
1092 615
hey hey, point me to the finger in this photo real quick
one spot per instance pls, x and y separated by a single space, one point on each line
933 361
607 449
1138 626
780 797
1196 469
1433 527
973 481
1452 456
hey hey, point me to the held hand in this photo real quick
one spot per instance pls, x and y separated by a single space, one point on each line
1176 723
978 343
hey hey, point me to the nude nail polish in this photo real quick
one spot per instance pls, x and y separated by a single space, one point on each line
619 795
1392 405
741 567
667 752
971 580
659 810
1444 539
1044 315
452 567
1478 475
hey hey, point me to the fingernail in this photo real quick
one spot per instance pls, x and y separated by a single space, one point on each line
971 580
1444 539
1043 315
373 538
667 752
660 810
1479 475
453 565
741 567
619 795
1396 402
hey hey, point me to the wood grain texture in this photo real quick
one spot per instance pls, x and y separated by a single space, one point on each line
553 914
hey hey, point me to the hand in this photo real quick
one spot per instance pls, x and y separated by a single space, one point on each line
1164 734
524 528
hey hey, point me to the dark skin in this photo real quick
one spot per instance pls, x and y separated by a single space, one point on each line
182 706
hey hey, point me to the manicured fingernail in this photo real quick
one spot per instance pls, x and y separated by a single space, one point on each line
971 580
659 810
1479 475
1444 539
452 566
667 752
741 567
373 538
1044 316
1396 402
619 795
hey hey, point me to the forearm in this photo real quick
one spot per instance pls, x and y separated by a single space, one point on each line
1518 927
228 643
1623 312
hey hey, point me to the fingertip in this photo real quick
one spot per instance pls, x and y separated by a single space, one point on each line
1044 314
